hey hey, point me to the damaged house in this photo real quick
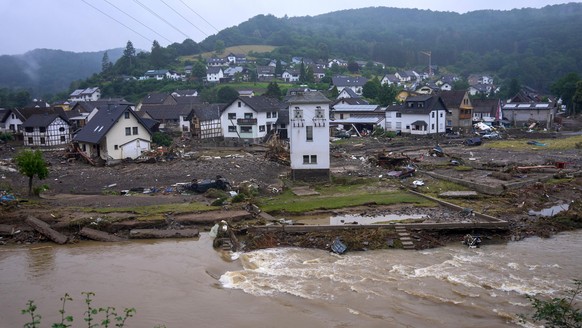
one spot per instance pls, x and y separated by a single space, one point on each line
46 130
309 136
420 115
356 114
114 133
250 119
460 110
524 114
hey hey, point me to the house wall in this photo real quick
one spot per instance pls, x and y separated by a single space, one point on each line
13 123
404 123
210 129
56 134
300 146
521 117
214 77
111 148
256 133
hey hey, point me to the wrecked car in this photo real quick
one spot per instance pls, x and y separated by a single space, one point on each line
405 172
473 142
491 136
343 134
201 186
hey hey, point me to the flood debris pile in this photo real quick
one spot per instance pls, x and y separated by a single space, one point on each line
355 240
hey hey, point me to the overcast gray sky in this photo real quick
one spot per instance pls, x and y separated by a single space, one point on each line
93 25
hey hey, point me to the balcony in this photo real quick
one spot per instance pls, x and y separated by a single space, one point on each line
246 121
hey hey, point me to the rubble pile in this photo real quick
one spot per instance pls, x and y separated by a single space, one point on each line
355 240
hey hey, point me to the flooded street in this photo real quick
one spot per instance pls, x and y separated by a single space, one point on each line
187 284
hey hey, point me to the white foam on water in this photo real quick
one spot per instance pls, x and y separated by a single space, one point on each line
352 311
513 266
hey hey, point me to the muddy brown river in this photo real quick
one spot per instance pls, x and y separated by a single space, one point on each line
180 283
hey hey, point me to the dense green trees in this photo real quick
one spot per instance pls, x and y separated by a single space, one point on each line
226 94
566 88
14 98
273 91
535 46
381 94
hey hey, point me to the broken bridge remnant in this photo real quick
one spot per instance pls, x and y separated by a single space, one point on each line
46 230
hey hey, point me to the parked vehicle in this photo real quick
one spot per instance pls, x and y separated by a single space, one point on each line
473 142
491 135
201 186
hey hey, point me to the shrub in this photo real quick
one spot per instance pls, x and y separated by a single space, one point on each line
6 136
558 311
239 198
162 139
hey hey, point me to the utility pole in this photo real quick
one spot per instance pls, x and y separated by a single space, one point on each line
429 54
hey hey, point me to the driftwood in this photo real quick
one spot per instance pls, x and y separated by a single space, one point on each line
99 235
155 233
46 230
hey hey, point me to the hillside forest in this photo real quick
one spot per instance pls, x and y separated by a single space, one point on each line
534 47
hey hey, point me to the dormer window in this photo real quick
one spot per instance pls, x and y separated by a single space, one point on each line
420 104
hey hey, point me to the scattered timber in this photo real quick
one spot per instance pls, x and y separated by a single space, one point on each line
155 233
99 235
46 230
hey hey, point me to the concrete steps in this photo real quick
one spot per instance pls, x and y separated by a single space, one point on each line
404 237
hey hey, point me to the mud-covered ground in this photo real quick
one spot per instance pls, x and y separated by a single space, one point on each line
74 183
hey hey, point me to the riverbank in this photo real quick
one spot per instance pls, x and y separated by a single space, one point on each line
82 195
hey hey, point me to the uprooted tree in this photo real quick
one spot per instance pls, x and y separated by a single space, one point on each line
31 163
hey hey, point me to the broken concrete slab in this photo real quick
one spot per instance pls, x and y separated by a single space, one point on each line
99 235
459 194
46 230
155 233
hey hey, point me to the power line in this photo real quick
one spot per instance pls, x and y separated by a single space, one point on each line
186 19
192 10
129 28
161 18
128 15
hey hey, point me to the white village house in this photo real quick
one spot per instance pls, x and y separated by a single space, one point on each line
46 130
309 136
89 94
250 119
114 133
420 115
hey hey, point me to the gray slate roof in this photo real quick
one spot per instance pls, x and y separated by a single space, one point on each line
309 97
349 81
260 103
155 98
41 120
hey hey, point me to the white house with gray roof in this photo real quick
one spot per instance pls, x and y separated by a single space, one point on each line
418 115
46 130
309 136
356 83
250 119
113 133
89 94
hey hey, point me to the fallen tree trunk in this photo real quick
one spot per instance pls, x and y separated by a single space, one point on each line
99 235
154 233
46 230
